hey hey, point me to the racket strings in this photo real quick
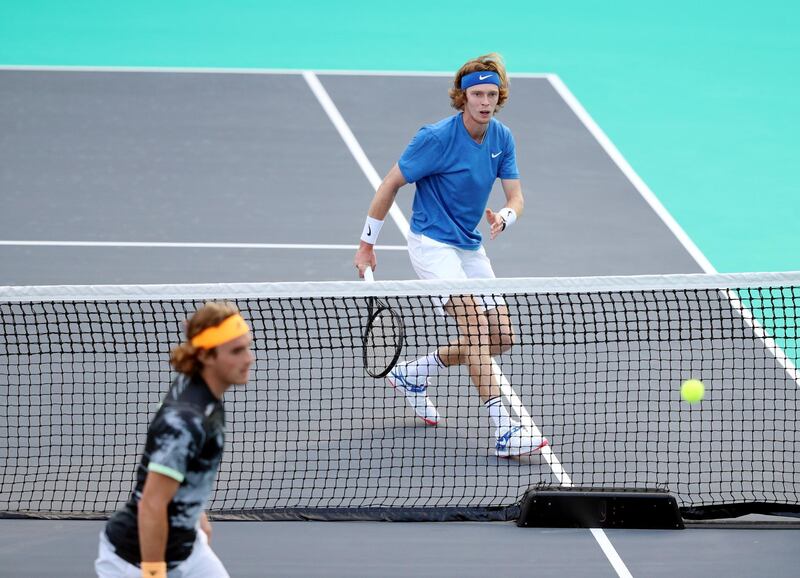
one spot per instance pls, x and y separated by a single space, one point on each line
383 342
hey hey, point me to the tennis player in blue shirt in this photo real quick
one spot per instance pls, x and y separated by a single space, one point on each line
454 164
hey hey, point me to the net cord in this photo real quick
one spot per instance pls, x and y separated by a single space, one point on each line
530 285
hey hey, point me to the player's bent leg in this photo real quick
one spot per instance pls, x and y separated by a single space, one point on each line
501 337
475 330
501 332
474 347
476 265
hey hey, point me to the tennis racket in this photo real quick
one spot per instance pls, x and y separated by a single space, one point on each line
384 336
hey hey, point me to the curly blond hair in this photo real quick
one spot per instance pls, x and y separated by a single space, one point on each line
490 62
184 357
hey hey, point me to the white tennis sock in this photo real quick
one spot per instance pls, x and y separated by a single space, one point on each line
498 412
424 367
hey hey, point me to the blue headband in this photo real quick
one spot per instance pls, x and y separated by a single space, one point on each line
479 77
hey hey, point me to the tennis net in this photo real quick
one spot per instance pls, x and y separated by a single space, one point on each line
596 366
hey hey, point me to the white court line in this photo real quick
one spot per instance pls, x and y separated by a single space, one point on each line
505 387
683 238
612 151
352 143
528 423
611 553
759 331
192 245
627 170
558 471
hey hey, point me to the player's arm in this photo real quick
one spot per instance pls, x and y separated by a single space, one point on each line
505 217
378 209
157 493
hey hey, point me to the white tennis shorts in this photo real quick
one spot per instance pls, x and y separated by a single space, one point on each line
433 259
201 563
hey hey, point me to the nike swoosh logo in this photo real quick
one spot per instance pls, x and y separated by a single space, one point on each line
495 155
484 77
369 231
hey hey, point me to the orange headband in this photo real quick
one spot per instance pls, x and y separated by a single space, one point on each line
233 327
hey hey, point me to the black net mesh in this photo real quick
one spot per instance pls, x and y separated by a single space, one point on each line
598 372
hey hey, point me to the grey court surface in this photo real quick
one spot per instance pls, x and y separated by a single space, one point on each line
254 159
112 157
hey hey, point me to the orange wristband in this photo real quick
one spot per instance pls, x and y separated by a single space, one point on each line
154 570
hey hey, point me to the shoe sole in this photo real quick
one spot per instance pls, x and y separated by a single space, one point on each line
544 443
425 420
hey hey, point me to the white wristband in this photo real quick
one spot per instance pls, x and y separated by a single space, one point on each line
508 215
371 229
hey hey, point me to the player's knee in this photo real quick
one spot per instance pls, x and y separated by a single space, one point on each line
478 333
504 339
478 341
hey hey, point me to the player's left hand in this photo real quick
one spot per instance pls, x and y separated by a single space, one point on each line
496 223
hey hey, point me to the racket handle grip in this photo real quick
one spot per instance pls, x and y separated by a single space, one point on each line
369 276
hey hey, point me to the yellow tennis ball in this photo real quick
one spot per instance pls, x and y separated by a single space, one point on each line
692 390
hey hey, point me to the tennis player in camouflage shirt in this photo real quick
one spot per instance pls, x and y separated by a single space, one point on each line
163 527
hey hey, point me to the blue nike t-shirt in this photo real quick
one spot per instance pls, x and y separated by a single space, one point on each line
454 177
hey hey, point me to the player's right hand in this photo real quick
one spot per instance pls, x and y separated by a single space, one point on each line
365 257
